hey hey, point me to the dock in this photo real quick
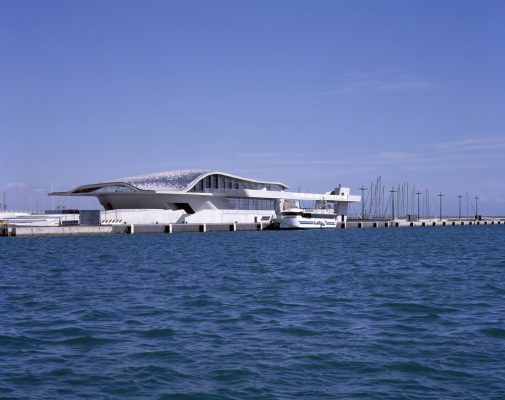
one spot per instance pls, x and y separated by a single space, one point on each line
126 229
420 223
72 230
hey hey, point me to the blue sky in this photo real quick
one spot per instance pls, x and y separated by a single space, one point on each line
311 93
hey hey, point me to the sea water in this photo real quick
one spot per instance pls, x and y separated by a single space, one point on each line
409 313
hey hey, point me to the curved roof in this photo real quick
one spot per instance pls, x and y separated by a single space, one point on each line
175 180
180 180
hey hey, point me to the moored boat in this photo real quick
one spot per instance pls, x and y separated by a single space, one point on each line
298 218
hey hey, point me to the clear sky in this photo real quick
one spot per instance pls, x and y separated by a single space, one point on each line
311 93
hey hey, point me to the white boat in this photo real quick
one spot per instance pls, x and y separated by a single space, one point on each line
298 218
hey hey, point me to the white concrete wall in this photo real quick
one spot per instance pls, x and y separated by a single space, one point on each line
344 191
129 216
228 216
341 208
12 214
201 201
61 230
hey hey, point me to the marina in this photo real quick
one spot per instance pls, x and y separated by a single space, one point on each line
195 200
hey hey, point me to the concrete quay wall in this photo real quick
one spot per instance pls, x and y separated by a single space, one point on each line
421 223
59 230
180 228
126 229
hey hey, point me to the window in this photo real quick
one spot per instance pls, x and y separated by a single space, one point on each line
198 187
223 182
290 213
113 189
240 203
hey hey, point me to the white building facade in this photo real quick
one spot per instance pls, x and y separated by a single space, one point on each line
201 196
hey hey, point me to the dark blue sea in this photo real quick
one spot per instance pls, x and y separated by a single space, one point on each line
413 313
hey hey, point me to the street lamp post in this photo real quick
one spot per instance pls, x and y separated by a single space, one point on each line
459 214
440 195
362 188
418 215
393 191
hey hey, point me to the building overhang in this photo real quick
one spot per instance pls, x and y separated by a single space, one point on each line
181 183
271 194
97 189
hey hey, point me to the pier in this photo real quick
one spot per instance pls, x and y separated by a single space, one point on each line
132 229
420 223
126 229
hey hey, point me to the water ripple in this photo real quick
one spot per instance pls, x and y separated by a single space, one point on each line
406 314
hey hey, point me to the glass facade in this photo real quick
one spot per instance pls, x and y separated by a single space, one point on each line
216 182
115 189
241 203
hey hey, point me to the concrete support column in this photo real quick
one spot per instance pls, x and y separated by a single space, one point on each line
279 206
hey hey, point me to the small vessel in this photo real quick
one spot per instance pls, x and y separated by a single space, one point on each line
298 218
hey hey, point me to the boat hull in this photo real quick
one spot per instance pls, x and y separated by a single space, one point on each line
305 223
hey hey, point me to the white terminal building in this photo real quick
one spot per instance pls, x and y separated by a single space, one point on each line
203 197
